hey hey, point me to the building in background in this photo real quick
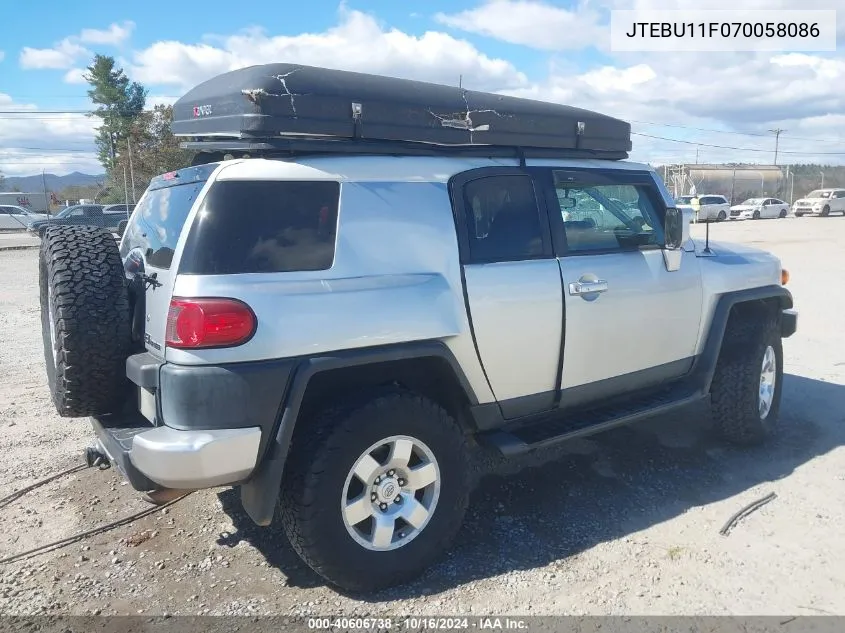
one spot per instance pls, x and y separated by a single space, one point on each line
735 182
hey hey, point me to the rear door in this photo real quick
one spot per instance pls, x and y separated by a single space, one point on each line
149 243
513 288
630 323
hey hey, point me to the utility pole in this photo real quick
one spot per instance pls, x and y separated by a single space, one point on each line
131 170
777 133
696 155
125 186
46 197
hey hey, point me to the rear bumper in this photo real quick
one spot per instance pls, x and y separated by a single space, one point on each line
160 457
193 427
788 322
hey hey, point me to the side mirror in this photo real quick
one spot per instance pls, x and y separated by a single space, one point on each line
673 228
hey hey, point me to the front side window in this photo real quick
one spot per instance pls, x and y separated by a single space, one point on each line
263 226
607 217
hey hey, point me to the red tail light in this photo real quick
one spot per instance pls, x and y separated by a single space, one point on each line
203 323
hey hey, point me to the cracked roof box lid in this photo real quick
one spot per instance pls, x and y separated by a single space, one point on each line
273 101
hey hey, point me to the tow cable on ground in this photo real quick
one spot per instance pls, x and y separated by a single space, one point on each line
92 459
743 512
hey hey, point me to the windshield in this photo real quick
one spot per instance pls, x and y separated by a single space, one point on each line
65 212
755 201
819 194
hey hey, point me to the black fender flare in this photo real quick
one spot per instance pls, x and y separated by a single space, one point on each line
705 365
260 493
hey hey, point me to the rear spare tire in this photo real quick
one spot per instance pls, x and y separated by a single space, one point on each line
85 320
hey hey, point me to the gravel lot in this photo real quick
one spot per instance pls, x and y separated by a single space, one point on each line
624 523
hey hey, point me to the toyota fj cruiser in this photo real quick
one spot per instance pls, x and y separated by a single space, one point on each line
360 276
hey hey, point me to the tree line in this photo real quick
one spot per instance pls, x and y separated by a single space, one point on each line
134 144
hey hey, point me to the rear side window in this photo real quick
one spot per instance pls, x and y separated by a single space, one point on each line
257 226
157 222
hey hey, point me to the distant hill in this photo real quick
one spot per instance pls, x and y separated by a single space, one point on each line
54 183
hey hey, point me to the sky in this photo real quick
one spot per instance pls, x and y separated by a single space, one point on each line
683 107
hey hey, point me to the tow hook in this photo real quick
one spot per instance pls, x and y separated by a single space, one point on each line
94 456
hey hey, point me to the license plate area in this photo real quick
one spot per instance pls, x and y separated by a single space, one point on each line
147 404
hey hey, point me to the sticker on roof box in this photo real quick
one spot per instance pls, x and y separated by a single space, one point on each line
203 110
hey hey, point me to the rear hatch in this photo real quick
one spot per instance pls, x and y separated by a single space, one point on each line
149 244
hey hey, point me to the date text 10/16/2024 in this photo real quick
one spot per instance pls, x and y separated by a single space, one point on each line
415 623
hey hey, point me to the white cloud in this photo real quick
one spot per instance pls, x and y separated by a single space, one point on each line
2 55
357 43
32 141
115 35
63 55
75 76
68 51
531 23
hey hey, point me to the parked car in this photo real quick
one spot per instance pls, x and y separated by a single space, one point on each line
81 215
821 202
756 208
15 217
125 209
335 356
705 207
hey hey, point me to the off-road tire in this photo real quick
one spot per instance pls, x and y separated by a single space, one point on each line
735 388
81 267
322 453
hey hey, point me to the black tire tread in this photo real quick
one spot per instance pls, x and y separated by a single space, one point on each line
737 376
83 267
328 433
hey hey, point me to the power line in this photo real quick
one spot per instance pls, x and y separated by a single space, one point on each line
739 149
6 152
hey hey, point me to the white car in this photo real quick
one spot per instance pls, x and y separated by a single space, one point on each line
821 202
756 208
15 217
705 207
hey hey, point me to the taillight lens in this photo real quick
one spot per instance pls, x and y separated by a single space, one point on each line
200 323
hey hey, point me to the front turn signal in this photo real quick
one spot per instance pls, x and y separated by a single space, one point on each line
784 277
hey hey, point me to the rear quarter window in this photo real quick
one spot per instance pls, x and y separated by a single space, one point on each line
257 226
157 222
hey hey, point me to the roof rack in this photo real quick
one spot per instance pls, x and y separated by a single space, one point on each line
290 109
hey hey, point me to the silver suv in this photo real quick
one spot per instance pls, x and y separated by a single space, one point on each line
332 324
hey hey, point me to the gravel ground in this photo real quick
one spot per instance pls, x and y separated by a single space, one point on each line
624 523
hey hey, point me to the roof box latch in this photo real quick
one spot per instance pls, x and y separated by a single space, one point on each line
579 132
357 111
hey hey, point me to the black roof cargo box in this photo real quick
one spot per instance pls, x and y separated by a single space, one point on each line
290 107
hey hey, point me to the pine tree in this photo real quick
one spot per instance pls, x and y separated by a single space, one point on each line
118 103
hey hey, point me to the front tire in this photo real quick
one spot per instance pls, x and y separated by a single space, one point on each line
748 383
756 215
826 211
376 491
722 216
